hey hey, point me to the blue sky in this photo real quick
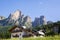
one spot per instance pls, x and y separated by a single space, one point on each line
33 8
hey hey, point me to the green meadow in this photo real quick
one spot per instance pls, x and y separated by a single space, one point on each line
37 38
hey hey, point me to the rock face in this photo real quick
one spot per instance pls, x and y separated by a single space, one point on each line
49 22
36 22
2 20
27 22
43 20
39 21
1 17
17 19
13 19
15 16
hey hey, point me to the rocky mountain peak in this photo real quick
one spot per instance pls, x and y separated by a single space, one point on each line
17 18
2 17
15 15
28 19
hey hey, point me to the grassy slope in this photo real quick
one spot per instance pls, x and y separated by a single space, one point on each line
37 38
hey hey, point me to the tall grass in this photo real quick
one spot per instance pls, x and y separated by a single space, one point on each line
37 38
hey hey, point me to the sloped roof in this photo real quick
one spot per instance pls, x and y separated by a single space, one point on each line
15 27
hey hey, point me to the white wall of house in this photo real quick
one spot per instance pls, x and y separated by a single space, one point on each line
17 33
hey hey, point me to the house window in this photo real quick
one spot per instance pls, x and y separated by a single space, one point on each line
16 35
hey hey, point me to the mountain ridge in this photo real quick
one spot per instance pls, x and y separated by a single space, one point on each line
16 18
